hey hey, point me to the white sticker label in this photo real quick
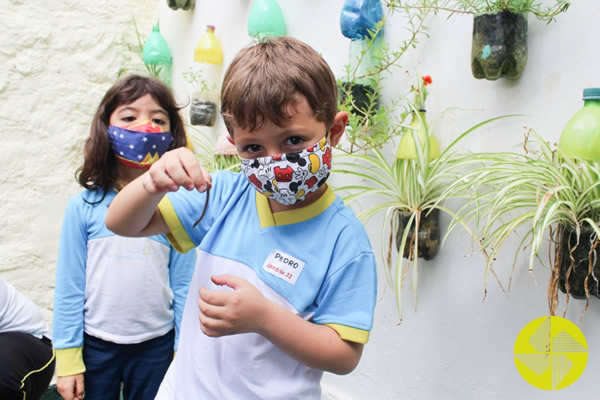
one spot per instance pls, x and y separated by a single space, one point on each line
283 266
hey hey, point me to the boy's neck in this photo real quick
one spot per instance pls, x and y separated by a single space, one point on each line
277 207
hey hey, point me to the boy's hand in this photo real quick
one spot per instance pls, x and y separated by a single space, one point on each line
230 312
176 168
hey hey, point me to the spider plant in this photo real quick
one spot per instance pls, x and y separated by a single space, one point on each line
544 10
415 187
550 196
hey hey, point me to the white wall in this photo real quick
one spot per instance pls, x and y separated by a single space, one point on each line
455 346
59 57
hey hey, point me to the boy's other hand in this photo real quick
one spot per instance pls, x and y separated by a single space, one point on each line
176 168
230 312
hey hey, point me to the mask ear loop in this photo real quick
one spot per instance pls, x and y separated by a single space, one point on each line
204 209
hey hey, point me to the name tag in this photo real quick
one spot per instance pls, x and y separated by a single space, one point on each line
283 266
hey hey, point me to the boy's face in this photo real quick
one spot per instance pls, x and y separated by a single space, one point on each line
298 133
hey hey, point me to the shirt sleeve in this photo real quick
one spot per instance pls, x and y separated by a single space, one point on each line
182 210
69 294
346 302
181 269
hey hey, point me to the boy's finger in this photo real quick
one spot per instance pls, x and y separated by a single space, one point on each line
232 281
159 181
176 169
200 178
216 298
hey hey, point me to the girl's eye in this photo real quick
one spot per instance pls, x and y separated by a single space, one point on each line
159 121
128 119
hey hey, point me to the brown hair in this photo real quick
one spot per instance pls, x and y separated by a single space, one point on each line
265 78
99 169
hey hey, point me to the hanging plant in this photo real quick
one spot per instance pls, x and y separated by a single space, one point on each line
552 196
181 4
499 44
372 124
209 56
411 193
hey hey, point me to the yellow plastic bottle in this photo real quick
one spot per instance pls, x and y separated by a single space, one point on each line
208 53
208 49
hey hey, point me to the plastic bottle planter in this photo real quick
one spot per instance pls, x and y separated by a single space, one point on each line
579 264
203 112
429 234
181 4
361 94
499 45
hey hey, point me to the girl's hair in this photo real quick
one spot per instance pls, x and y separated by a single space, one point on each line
264 79
99 169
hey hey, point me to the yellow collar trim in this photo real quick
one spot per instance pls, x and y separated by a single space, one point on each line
267 218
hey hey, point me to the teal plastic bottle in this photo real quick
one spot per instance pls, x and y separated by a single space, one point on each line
266 19
156 54
581 136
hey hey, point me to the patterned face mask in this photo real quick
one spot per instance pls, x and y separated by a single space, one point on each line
139 145
289 178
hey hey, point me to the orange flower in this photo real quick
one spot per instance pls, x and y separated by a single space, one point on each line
427 80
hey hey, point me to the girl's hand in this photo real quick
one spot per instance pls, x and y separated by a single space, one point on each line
71 387
230 312
178 167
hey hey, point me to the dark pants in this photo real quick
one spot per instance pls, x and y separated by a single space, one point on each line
26 366
141 367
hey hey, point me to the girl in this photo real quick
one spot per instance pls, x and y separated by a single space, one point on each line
118 301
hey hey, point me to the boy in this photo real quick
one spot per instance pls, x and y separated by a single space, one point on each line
285 273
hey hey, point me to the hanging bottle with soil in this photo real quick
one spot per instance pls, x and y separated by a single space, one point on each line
579 267
429 234
208 53
365 98
429 222
499 47
358 22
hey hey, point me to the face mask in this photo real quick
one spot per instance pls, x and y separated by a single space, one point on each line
289 178
139 145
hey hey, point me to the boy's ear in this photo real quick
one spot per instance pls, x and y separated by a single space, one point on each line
337 129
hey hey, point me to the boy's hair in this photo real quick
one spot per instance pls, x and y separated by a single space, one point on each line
99 169
264 79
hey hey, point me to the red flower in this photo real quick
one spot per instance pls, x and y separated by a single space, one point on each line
427 80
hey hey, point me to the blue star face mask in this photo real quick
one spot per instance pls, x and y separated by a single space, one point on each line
139 145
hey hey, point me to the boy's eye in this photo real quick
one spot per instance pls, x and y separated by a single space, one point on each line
295 140
253 148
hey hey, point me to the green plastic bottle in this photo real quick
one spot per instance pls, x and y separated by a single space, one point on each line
157 56
266 19
581 136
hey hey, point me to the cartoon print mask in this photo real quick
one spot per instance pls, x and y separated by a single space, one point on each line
289 178
140 144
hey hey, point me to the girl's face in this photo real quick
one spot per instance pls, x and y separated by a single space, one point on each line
143 108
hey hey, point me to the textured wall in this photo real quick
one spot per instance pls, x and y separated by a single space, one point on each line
58 59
